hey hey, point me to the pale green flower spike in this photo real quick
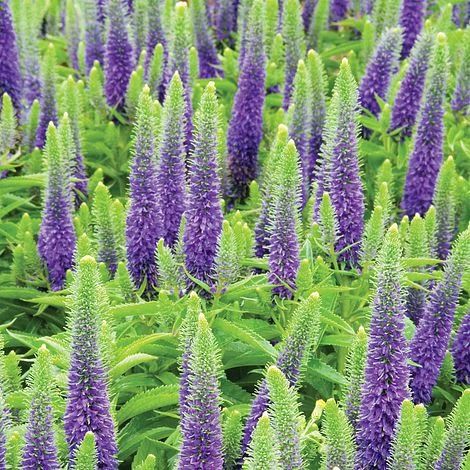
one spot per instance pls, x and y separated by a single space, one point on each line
445 202
104 227
232 428
31 257
170 275
140 24
284 410
14 448
373 235
319 23
148 464
457 436
417 246
405 442
355 364
403 229
422 430
430 222
263 453
95 88
18 271
339 446
32 124
68 149
136 84
155 73
193 65
277 51
125 282
382 198
385 15
227 262
85 456
84 247
7 126
304 280
271 23
434 444
83 220
70 102
328 223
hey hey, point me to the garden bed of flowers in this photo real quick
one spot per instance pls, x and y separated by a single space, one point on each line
234 234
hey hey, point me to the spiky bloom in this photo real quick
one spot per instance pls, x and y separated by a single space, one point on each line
156 34
411 21
271 26
263 451
48 96
88 407
246 125
429 344
119 56
85 456
461 98
284 410
140 26
385 14
386 371
404 448
461 351
143 224
426 155
301 337
178 60
406 106
40 450
339 449
328 224
94 46
72 32
307 13
104 230
208 61
227 261
339 174
71 103
200 422
355 366
203 213
225 22
170 179
268 189
380 69
284 256
458 435
417 247
338 10
10 74
435 443
299 123
318 82
293 35
444 201
8 124
318 23
232 433
373 236
56 242
3 429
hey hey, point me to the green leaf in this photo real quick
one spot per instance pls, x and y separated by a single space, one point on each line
317 368
128 363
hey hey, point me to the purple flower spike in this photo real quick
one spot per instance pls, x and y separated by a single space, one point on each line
48 97
380 69
461 351
461 98
386 371
143 225
426 156
56 241
338 10
246 126
119 56
411 21
10 75
171 178
88 407
94 19
156 34
429 344
208 61
225 20
203 213
406 106
307 13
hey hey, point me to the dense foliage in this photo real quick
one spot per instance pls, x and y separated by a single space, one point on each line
234 234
